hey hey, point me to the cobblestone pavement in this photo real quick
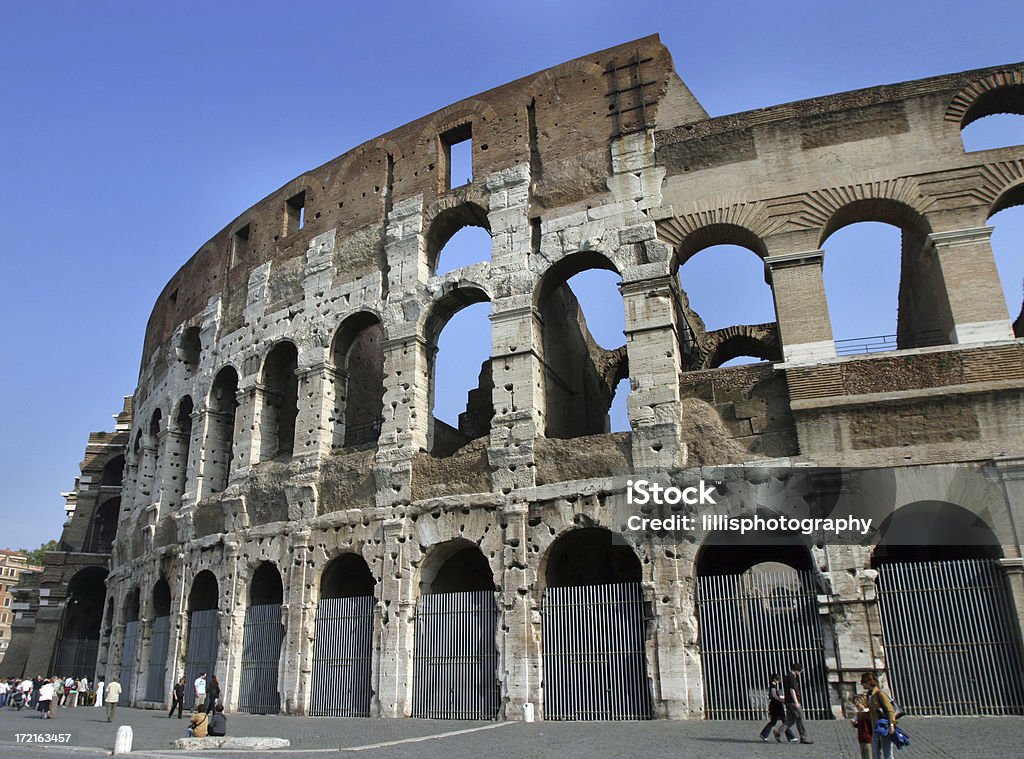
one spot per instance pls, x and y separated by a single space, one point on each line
91 736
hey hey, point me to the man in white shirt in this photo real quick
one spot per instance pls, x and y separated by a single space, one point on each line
200 688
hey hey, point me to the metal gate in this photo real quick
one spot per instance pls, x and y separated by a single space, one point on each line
261 656
201 654
594 662
76 657
156 674
455 660
131 639
342 657
951 638
752 625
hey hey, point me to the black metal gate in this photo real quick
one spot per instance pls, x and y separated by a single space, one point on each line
261 656
156 674
594 662
455 660
752 625
951 638
201 655
127 674
342 657
76 657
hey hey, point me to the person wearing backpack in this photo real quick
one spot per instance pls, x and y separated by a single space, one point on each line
880 707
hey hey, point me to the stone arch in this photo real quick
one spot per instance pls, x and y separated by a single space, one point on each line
347 576
1002 92
161 598
266 586
262 637
449 217
455 566
179 446
221 405
589 555
357 355
203 639
204 593
190 348
113 471
103 529
280 407
756 340
719 233
78 641
934 530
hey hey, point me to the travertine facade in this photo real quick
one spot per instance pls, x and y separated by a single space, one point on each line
284 408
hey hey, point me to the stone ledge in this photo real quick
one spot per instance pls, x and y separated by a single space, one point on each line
250 744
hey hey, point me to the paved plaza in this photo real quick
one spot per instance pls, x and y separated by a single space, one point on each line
92 736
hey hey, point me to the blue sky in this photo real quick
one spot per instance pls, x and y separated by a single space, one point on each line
131 132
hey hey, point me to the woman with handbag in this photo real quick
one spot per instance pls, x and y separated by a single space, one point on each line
881 709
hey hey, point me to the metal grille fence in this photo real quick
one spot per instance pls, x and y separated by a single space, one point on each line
76 657
951 638
594 662
342 657
131 639
455 660
157 671
752 625
201 655
261 655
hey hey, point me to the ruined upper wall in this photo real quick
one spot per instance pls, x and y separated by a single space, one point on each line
559 121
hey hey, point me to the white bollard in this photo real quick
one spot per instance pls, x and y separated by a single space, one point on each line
123 740
528 712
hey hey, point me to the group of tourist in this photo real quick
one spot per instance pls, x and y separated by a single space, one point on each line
46 693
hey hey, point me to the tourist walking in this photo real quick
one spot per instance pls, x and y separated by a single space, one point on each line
212 694
111 695
99 691
177 697
776 706
880 706
794 706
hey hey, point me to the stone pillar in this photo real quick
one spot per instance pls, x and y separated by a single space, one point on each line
972 284
316 420
652 343
193 467
298 615
232 625
521 651
248 431
800 306
406 417
398 595
174 466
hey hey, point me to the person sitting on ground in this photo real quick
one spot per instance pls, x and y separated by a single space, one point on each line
218 722
198 723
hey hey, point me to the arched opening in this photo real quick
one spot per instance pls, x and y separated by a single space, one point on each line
757 609
883 285
280 401
189 348
130 617
78 642
220 433
203 630
995 119
262 637
1007 218
947 613
149 467
179 446
103 529
343 644
160 640
594 633
458 333
113 472
455 661
458 237
584 352
358 358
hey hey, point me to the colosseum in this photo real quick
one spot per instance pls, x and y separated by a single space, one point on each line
278 504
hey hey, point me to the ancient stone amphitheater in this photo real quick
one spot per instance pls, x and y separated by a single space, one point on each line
293 518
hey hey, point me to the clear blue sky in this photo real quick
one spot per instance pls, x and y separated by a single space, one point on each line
131 132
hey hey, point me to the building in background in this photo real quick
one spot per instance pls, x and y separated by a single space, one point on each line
13 566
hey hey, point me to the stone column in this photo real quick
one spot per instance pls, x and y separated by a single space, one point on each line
972 285
800 306
652 343
193 467
232 625
174 467
521 651
406 417
248 431
316 420
398 595
298 615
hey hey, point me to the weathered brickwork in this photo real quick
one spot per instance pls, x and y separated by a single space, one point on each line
284 409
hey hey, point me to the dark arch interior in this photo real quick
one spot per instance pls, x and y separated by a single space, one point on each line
84 610
154 424
113 472
358 356
281 398
266 587
104 527
464 569
203 595
591 556
1008 99
132 606
161 598
347 576
743 345
734 554
190 347
934 531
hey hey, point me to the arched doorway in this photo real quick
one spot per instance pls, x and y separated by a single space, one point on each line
261 643
160 641
952 645
203 631
130 614
455 659
79 638
343 646
757 608
595 665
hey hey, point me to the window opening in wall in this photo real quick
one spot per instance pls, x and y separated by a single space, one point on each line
1007 245
189 348
294 213
221 431
358 358
457 147
239 245
461 388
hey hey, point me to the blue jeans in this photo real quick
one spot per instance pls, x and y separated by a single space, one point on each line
881 746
